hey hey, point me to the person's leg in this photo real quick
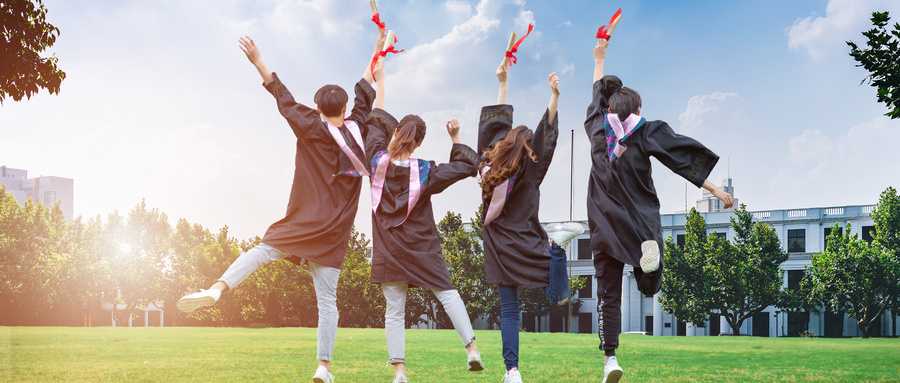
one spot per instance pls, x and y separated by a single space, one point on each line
240 269
395 325
325 281
456 310
558 291
509 325
650 282
609 296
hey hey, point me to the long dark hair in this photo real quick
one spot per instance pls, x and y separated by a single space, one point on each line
410 133
505 157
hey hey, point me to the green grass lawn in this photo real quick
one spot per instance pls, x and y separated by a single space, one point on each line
288 354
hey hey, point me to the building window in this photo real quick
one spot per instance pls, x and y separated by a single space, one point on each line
679 240
720 235
828 232
49 198
584 248
868 234
796 241
794 278
586 292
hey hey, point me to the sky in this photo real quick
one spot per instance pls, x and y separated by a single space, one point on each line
160 104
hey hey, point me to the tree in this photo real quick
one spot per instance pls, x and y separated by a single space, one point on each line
738 279
886 216
465 261
26 33
685 290
882 60
746 277
854 277
360 303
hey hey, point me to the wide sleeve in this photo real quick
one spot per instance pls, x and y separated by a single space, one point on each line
362 102
493 125
381 126
683 155
300 117
463 164
543 145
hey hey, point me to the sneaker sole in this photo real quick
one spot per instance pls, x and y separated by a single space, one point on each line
187 305
613 376
476 365
650 256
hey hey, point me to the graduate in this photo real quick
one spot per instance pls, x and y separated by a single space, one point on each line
623 209
517 252
406 248
328 170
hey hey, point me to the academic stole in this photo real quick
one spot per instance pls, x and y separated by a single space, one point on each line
617 131
339 139
498 197
378 179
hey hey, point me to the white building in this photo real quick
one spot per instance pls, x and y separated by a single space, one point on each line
43 189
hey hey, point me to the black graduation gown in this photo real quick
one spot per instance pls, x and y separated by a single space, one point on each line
622 206
410 253
324 200
516 248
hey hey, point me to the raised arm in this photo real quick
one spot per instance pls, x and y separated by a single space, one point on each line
379 44
252 52
719 193
599 58
502 74
554 97
463 163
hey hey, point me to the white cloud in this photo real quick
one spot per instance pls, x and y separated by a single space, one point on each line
699 107
567 23
458 7
844 20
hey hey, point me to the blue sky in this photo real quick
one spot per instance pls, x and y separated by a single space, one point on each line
159 102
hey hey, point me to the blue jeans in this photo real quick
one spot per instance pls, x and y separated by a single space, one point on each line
509 305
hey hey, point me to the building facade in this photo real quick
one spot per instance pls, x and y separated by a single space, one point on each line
803 232
44 189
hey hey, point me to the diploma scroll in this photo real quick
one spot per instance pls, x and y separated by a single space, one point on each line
512 41
374 8
605 32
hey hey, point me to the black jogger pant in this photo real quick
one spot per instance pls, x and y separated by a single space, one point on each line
608 272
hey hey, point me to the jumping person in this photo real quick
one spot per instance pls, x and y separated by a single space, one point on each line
517 252
623 209
328 170
406 247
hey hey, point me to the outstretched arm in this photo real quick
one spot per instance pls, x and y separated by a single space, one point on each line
554 98
252 52
379 87
502 74
719 193
453 130
379 44
599 58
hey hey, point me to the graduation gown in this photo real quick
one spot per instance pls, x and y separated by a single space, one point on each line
324 198
516 248
622 206
410 252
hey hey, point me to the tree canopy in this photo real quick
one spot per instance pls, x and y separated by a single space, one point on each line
24 34
881 58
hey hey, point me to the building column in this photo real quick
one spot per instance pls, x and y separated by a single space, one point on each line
657 316
146 318
626 302
724 328
112 316
689 329
161 312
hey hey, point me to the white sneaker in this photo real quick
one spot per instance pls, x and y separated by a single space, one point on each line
475 363
611 371
650 257
562 233
191 302
401 379
323 376
512 376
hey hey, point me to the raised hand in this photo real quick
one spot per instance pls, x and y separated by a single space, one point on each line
600 50
502 72
554 83
379 71
382 37
453 130
250 49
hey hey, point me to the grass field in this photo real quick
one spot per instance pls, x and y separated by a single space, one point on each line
287 355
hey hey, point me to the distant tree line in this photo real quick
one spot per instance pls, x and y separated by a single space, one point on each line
56 272
739 278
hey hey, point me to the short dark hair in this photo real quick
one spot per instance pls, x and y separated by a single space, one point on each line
624 102
331 100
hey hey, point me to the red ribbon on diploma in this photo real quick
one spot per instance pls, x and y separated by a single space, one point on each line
377 20
389 49
602 32
515 48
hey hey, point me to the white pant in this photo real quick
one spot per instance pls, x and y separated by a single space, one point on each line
395 313
325 281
